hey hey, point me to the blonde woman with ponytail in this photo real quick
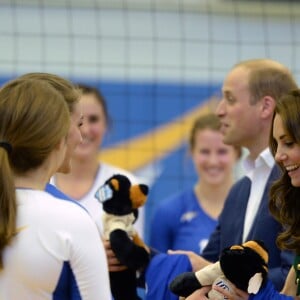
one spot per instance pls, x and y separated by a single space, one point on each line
41 236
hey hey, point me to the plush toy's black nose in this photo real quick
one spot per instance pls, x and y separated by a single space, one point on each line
144 188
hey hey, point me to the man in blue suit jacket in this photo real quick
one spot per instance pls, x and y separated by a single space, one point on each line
250 91
230 229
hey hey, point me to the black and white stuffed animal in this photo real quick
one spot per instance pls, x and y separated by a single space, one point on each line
243 265
120 201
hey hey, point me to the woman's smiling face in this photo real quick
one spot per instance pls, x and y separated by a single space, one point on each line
287 152
213 160
94 126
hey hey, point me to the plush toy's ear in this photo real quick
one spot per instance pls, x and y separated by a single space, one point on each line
115 183
255 283
259 247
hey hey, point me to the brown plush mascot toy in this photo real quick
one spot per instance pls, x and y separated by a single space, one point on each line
120 201
244 265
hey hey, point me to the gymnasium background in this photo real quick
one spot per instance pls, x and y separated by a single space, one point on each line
159 63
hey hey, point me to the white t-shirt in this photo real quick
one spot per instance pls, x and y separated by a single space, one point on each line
52 234
95 208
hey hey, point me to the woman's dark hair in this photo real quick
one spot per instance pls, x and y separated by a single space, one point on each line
284 201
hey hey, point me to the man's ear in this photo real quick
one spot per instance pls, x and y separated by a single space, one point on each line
267 107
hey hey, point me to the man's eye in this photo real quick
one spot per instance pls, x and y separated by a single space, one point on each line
230 99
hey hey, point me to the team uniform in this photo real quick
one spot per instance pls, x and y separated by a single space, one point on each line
54 191
181 223
54 238
94 207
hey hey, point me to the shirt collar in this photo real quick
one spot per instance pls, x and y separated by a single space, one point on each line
265 158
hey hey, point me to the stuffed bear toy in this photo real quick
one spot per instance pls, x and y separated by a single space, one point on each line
243 265
120 200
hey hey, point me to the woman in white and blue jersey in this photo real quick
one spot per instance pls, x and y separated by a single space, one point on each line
41 236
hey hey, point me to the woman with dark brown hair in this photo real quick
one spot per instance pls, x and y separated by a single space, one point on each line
284 201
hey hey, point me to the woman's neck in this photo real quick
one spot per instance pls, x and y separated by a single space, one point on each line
83 169
36 180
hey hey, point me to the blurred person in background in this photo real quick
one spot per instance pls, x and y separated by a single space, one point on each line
186 220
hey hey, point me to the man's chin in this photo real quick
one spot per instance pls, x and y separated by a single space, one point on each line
228 140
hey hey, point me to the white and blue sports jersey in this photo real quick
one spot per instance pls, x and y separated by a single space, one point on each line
55 239
180 223
54 191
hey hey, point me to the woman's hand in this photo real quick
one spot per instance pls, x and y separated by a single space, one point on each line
113 263
199 294
290 286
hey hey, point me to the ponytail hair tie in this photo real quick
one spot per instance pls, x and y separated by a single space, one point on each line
7 146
